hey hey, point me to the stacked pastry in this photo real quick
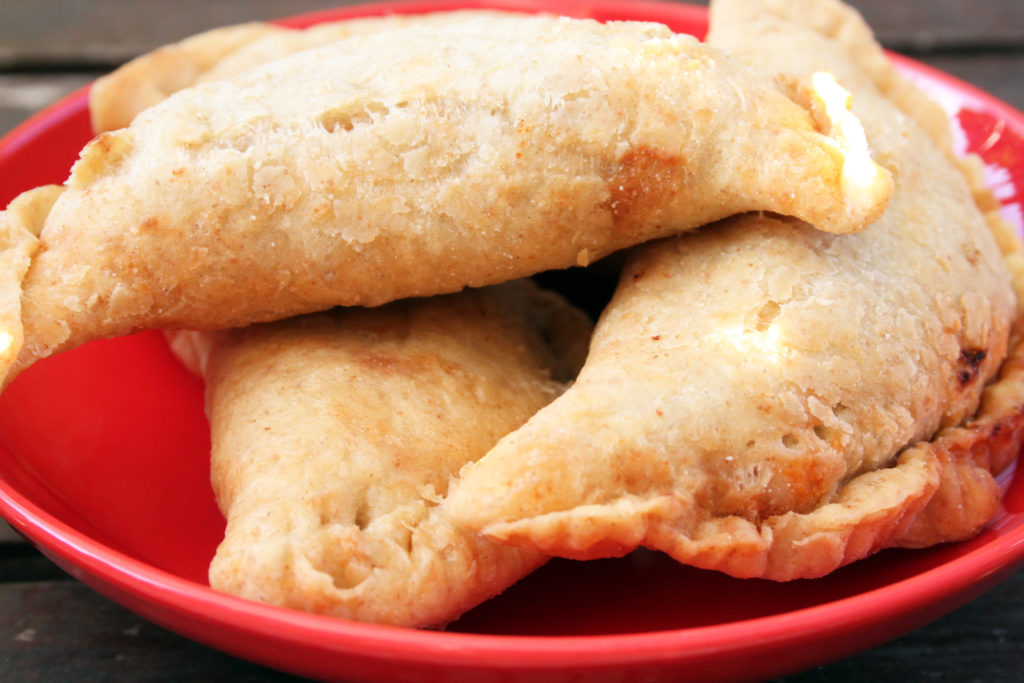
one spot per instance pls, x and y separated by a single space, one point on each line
826 367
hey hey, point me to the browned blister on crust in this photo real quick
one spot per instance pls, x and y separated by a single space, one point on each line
355 173
771 401
335 437
969 458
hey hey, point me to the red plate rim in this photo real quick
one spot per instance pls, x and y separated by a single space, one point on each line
64 543
83 556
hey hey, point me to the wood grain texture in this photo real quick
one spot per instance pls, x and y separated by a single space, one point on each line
54 628
20 562
70 32
9 535
997 73
107 32
981 641
993 66
22 95
930 25
63 631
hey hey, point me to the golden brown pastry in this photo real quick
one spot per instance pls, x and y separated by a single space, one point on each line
117 98
356 173
335 436
763 398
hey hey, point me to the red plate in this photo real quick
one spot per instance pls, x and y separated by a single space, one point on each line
103 466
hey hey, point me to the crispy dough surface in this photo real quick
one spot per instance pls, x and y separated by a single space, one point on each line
117 98
760 397
354 173
335 436
19 242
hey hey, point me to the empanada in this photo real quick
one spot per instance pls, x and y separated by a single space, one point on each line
335 436
117 98
480 151
763 398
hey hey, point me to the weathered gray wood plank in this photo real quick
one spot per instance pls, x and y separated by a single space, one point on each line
38 33
981 642
9 535
63 32
21 562
999 74
57 629
64 631
21 95
928 25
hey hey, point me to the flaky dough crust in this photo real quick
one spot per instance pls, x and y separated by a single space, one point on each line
762 398
335 436
118 97
355 173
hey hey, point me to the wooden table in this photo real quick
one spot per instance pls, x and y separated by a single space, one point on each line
54 628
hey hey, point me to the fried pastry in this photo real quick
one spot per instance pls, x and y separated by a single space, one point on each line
117 98
357 173
335 436
768 400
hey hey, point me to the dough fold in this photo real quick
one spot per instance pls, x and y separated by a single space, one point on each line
769 400
335 437
489 147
